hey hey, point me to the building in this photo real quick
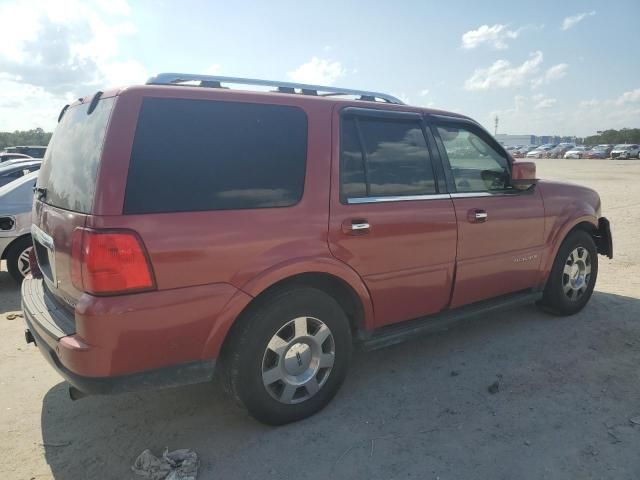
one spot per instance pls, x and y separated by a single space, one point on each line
514 140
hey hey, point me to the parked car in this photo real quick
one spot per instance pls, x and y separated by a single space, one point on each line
559 150
607 147
35 151
6 156
626 151
16 200
596 153
522 151
576 152
297 225
13 169
541 151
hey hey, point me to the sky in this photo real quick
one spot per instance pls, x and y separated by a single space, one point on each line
543 67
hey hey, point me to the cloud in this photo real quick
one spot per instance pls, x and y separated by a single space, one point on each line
502 75
318 71
570 22
589 103
554 73
545 103
496 36
591 115
56 50
424 93
632 96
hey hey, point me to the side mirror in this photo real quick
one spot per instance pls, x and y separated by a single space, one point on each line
523 175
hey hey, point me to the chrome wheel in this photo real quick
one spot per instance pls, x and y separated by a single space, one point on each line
24 267
576 274
298 360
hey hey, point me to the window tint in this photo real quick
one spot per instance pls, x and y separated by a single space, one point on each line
476 165
193 155
396 159
71 162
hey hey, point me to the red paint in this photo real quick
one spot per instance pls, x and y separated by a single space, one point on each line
416 258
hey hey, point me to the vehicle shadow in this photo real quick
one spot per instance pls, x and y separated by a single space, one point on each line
404 411
9 293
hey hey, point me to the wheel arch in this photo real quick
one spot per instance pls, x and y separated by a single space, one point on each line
8 248
337 280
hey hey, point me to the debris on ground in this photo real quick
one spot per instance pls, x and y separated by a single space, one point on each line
635 420
494 387
454 373
176 465
13 316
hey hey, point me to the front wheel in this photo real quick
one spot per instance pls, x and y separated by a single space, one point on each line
289 355
573 275
18 259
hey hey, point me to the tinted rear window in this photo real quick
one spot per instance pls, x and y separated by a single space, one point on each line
194 155
70 165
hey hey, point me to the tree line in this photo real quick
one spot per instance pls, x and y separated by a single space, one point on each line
626 135
37 136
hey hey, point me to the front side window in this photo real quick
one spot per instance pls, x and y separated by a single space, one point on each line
476 166
382 157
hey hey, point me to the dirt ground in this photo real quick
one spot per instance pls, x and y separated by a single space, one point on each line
420 410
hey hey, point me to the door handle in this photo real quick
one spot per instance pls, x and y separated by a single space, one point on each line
476 215
358 226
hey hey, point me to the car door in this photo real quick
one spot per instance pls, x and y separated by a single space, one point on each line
390 218
500 229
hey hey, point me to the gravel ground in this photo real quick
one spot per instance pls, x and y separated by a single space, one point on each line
568 388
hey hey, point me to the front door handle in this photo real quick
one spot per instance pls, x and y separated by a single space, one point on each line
477 215
358 226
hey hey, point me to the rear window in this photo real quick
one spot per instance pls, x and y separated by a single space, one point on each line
194 155
70 165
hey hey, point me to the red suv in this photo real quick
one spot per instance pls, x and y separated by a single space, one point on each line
181 226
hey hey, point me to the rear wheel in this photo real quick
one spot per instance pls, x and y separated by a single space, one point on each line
18 259
289 356
573 275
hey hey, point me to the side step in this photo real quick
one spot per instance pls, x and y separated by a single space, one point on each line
397 333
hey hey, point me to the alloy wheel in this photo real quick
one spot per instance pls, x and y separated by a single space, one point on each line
298 360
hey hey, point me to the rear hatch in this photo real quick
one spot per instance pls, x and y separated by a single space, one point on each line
65 192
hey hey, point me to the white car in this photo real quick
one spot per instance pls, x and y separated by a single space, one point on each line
540 152
625 151
16 199
576 152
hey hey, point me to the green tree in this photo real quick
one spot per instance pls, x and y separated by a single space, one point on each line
37 136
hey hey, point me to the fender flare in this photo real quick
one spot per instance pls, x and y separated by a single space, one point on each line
261 282
560 234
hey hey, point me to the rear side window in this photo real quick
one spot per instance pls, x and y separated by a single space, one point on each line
70 165
194 155
384 158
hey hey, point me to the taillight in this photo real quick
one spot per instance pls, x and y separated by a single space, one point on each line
111 262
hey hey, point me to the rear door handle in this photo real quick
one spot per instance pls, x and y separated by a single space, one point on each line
476 215
358 226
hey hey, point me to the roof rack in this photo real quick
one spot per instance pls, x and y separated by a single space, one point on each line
212 81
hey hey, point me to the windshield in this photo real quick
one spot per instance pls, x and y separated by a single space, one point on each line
70 165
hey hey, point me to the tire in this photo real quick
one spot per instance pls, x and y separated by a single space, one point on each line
573 275
278 374
17 264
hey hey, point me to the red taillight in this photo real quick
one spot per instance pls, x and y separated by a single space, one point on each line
109 262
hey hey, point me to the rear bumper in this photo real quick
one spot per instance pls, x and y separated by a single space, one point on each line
109 346
173 376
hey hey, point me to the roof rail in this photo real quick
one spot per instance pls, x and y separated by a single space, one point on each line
282 87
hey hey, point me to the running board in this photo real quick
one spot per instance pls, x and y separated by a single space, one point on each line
397 333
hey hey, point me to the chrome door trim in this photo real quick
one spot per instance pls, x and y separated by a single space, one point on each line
399 198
